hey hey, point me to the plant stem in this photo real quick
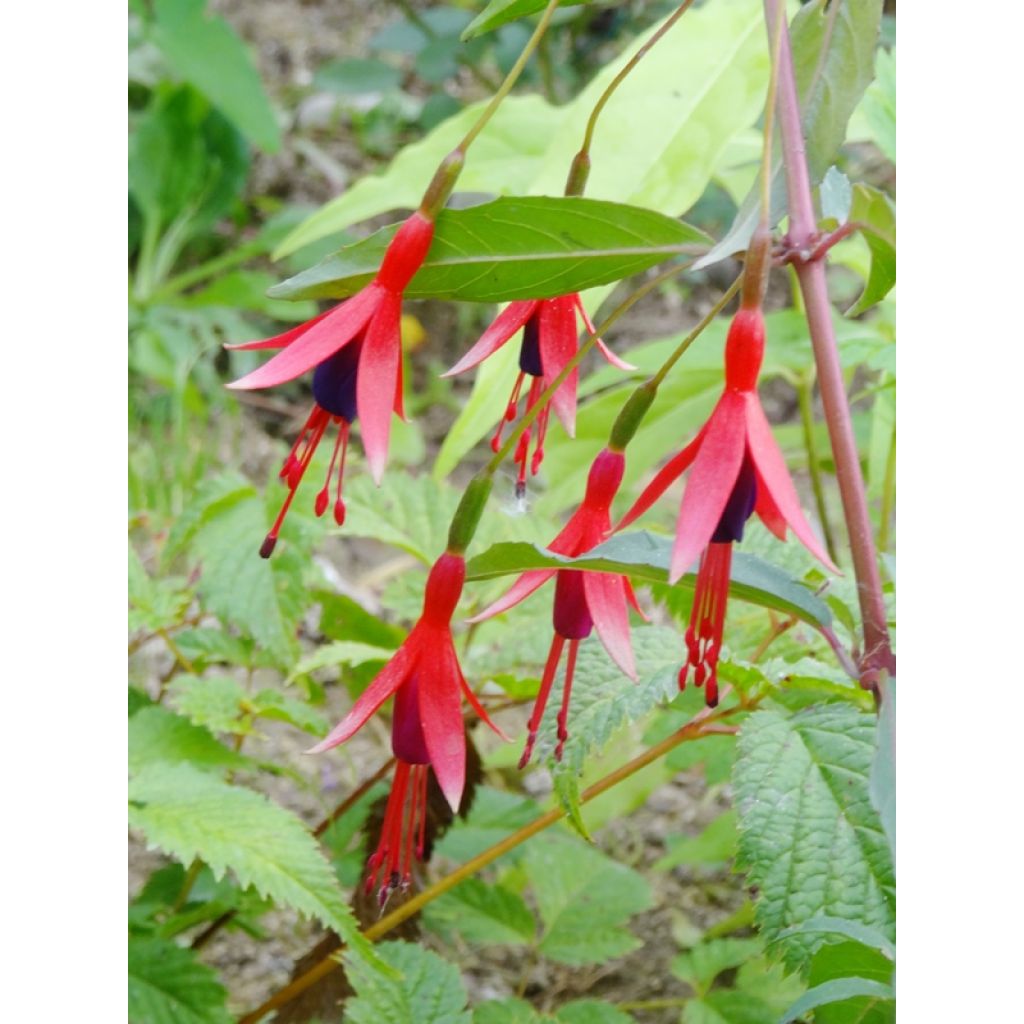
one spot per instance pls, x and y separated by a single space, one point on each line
698 726
877 654
804 394
510 79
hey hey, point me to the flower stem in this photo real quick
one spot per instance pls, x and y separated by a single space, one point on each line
510 79
702 724
804 394
877 654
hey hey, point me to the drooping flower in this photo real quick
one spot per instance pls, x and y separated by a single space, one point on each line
550 338
583 600
737 470
355 353
427 731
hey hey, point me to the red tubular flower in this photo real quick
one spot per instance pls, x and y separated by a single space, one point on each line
426 681
355 353
737 470
549 341
583 599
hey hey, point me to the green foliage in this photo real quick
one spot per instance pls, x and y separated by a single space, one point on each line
189 813
809 838
168 985
427 991
156 735
716 844
875 210
482 913
501 12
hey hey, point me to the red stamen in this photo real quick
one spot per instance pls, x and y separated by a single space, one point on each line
325 493
563 714
707 620
542 697
339 505
509 414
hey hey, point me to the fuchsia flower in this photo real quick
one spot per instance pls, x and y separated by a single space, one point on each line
737 470
549 341
355 353
426 681
583 599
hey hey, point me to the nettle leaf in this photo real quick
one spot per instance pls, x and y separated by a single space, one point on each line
506 1011
875 210
512 248
809 838
715 845
205 51
214 702
830 89
428 989
853 960
883 767
645 556
340 652
188 813
154 604
168 985
838 991
158 736
494 815
501 12
591 1011
701 965
482 913
584 899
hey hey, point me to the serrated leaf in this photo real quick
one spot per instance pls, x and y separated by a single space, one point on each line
506 1011
809 838
528 247
874 209
212 497
154 604
853 960
168 985
853 930
279 707
837 991
494 815
701 965
585 900
567 789
189 813
883 767
158 736
729 1006
717 843
340 652
829 89
214 702
428 990
483 914
205 51
645 556
207 645
591 1011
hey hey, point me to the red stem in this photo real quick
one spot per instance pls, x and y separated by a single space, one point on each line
803 234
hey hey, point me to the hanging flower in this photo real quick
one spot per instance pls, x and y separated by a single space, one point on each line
737 470
583 600
427 730
549 341
355 353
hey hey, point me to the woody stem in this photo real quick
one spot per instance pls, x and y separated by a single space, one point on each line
813 286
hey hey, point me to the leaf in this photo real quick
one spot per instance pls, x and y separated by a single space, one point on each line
512 248
852 930
567 789
701 965
158 736
356 76
340 652
168 985
483 914
428 990
273 704
830 89
206 52
853 960
883 767
506 1011
154 604
494 815
876 115
188 813
645 556
874 209
584 899
809 838
836 991
214 702
836 195
591 1011
717 843
501 12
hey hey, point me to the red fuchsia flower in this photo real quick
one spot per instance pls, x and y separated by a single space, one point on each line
549 342
583 600
737 470
427 730
355 353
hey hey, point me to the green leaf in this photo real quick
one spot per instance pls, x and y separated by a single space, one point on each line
513 248
188 813
214 702
837 991
717 843
428 990
501 12
494 815
591 1011
830 90
852 930
154 604
567 789
279 707
483 914
645 556
506 1011
356 76
340 652
168 985
728 1006
876 115
206 52
874 209
883 767
584 899
836 195
158 736
809 838
701 965
853 960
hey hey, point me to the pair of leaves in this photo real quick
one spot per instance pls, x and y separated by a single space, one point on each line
168 985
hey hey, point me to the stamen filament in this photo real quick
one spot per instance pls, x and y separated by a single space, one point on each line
548 678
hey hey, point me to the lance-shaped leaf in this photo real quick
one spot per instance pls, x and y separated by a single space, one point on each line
501 12
514 248
645 556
